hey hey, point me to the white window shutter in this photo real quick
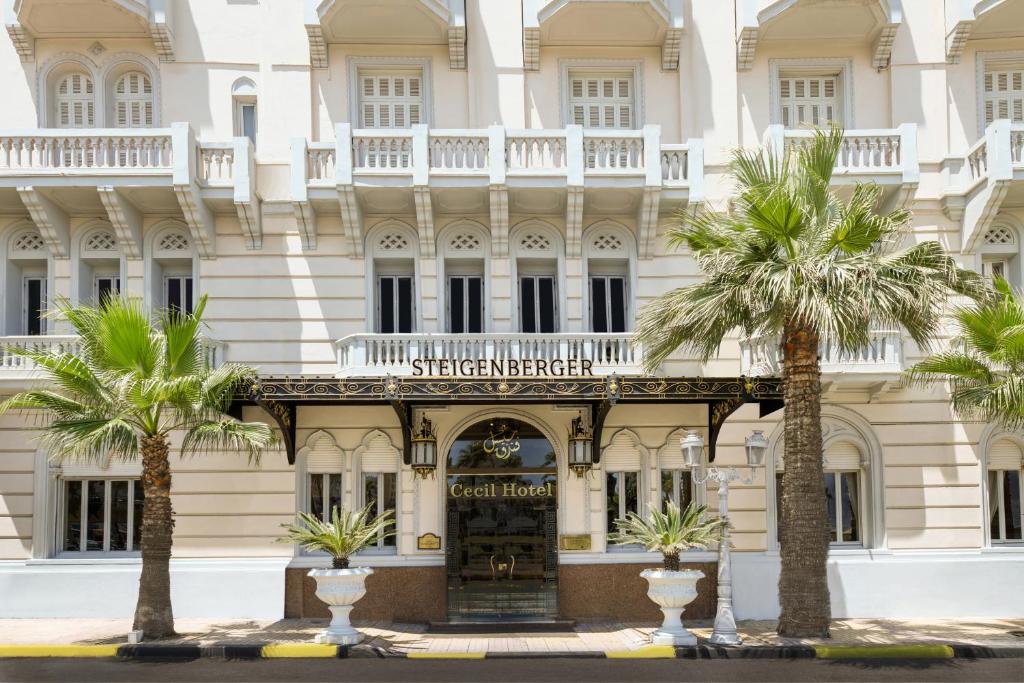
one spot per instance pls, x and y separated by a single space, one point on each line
74 105
621 454
378 455
133 104
601 101
1004 94
391 100
808 100
843 456
1005 455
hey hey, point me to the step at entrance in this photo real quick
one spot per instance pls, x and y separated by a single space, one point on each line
503 626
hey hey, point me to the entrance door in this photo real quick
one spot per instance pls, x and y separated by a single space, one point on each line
502 530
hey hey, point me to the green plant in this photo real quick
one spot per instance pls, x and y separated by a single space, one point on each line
135 380
793 258
669 532
345 535
985 362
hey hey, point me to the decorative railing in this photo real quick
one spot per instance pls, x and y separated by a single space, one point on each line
372 151
535 150
459 151
890 151
216 163
995 156
673 163
320 163
621 152
55 343
61 151
374 355
883 354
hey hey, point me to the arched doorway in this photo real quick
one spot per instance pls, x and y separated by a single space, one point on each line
502 553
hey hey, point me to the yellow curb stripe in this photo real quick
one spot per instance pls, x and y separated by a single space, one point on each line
446 655
645 652
47 650
884 651
297 650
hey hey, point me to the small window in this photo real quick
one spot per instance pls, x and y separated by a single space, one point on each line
34 308
324 495
390 99
133 101
247 120
75 102
623 496
993 268
676 487
105 286
465 303
1004 93
101 515
608 303
1004 506
178 294
602 100
809 100
395 304
538 306
379 494
842 500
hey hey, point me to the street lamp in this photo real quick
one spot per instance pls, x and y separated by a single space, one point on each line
692 446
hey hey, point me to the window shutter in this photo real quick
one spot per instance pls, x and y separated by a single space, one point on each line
133 105
842 456
670 457
74 105
1005 455
621 455
604 101
808 100
324 457
379 455
1004 94
391 100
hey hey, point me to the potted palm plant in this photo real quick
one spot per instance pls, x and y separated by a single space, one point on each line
340 586
671 588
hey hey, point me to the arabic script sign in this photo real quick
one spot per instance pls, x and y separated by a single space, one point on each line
503 444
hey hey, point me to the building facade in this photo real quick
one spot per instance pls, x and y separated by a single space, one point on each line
452 210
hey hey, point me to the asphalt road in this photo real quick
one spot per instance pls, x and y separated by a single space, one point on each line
520 670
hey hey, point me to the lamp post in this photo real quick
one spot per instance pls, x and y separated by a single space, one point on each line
756 446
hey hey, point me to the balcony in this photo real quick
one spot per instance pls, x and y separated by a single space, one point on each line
567 355
386 22
27 20
875 368
16 371
600 23
570 171
869 22
886 156
980 20
990 178
123 173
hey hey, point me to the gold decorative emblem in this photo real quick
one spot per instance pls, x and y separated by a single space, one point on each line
428 541
503 444
503 387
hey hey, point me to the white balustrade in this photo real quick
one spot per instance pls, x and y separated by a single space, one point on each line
621 152
1017 144
374 355
213 350
60 150
459 151
977 160
673 163
320 163
372 151
216 163
860 151
883 354
535 150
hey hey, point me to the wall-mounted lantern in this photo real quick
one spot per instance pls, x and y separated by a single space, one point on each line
581 447
424 449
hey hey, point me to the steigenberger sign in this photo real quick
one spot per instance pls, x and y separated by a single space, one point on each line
512 367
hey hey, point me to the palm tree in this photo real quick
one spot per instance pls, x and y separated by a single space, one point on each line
792 258
346 534
135 381
984 365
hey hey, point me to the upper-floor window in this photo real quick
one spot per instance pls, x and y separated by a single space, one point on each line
465 303
811 92
243 95
602 100
390 99
75 101
396 304
133 100
26 287
538 303
608 303
1003 86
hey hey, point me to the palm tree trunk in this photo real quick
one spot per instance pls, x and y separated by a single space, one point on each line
803 527
153 615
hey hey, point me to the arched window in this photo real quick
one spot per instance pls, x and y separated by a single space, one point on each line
538 260
98 264
243 94
609 259
1000 251
462 263
133 100
75 101
391 268
26 282
172 268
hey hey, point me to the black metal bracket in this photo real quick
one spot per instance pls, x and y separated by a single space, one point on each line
404 413
283 413
598 413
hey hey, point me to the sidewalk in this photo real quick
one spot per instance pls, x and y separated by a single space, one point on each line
294 637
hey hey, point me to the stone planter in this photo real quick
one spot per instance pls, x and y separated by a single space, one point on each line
340 589
672 591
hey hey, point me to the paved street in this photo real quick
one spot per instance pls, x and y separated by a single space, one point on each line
525 670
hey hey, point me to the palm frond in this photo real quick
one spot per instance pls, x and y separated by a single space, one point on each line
669 532
346 534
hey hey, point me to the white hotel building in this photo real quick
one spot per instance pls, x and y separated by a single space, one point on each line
363 186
